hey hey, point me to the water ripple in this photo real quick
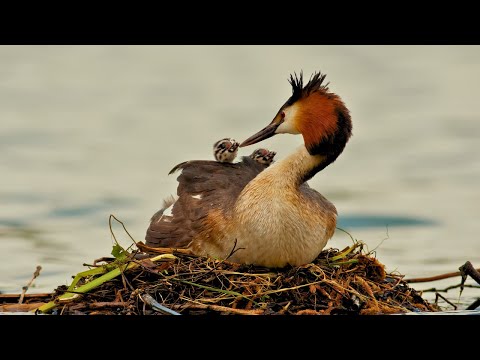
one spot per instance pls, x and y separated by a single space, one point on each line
375 220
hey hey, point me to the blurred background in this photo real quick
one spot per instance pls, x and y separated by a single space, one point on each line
89 131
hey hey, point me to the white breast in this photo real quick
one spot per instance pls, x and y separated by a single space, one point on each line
274 231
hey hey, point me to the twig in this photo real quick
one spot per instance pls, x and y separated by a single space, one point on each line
154 304
220 308
233 251
268 292
11 297
25 288
450 288
381 242
468 269
19 307
104 304
437 277
125 280
124 228
346 232
97 305
106 259
474 305
437 295
227 272
161 250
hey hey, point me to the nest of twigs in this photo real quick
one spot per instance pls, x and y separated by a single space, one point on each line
350 281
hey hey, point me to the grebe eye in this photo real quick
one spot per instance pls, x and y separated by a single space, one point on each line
282 114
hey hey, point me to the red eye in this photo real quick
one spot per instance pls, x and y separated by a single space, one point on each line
282 114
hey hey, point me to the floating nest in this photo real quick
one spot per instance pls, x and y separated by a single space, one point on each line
167 281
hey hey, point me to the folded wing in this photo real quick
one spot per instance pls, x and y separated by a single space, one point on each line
203 186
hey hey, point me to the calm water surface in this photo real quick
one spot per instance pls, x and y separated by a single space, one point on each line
89 131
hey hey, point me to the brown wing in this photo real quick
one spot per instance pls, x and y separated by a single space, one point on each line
202 186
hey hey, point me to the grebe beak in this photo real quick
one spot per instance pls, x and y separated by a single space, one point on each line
263 134
266 132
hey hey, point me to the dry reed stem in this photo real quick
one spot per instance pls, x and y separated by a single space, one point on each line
218 308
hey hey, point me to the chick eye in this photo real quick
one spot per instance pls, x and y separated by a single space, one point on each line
222 146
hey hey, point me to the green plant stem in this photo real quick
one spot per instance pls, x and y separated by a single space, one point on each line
345 253
80 275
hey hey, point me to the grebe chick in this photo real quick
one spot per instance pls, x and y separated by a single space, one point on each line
225 150
263 156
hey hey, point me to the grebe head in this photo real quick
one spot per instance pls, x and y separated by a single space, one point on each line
263 156
319 115
225 150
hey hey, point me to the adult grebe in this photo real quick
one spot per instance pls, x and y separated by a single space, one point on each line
254 213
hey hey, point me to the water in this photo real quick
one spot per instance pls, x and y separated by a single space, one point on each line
89 131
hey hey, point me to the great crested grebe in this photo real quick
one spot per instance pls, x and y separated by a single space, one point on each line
257 214
225 150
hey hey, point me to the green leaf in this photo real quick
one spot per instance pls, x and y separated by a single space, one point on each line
119 253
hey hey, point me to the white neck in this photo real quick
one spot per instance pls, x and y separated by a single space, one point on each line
278 222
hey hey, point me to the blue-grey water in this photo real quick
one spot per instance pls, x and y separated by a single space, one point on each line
89 131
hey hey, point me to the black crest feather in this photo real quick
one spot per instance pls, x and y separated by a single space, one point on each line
314 84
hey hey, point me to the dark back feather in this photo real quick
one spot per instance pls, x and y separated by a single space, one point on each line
218 184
